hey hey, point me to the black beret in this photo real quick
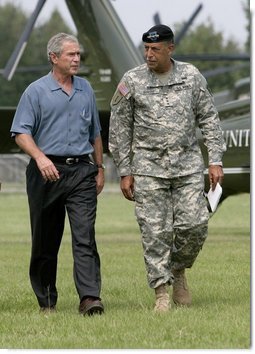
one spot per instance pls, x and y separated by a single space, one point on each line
158 33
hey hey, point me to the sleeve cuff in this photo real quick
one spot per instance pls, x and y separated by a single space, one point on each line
216 163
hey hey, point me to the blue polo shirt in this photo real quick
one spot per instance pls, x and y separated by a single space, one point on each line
60 124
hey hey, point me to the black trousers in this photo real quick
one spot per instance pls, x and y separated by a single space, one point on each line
74 193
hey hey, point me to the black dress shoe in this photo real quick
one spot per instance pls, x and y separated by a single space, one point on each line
90 306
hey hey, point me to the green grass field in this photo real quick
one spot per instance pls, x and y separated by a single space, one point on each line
219 281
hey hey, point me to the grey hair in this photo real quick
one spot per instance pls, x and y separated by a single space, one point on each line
55 44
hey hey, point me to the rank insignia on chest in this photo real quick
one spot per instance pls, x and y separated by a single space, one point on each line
182 87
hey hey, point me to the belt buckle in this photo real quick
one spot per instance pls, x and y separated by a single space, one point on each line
70 160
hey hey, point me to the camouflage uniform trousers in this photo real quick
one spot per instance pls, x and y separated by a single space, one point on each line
173 218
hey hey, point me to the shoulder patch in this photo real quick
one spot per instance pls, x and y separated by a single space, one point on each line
124 90
117 97
121 91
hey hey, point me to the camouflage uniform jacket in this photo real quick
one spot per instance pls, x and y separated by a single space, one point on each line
153 126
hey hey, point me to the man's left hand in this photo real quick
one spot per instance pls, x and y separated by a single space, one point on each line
215 175
100 180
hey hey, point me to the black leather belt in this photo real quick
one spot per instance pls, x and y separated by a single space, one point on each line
69 160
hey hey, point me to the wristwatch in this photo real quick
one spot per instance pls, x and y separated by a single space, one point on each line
101 165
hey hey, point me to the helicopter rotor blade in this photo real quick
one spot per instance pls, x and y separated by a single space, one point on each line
12 63
213 57
223 70
156 19
187 24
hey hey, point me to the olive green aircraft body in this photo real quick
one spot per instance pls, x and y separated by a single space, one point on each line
108 52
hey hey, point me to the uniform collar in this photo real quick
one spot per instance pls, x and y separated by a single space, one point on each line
176 76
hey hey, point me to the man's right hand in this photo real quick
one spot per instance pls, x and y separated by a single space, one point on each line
45 165
47 168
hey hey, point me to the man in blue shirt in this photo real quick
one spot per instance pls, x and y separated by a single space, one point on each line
57 125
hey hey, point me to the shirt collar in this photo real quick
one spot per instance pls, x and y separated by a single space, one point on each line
54 86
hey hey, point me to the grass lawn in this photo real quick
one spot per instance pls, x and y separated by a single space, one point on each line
219 318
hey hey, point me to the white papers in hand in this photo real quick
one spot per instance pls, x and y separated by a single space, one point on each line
214 197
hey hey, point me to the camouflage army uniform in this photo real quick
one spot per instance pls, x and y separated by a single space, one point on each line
153 137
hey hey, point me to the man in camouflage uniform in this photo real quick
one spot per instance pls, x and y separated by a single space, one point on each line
155 111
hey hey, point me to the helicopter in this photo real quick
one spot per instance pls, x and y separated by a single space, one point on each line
108 52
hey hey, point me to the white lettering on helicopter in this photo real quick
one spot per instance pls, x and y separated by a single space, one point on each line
105 75
237 138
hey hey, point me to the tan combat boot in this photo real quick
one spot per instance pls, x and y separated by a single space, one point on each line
162 299
181 295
